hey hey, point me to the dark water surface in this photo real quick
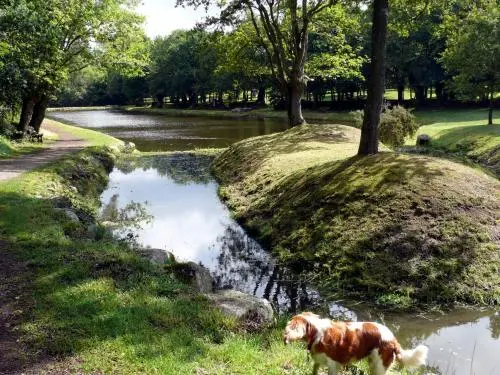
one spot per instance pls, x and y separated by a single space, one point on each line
153 132
188 219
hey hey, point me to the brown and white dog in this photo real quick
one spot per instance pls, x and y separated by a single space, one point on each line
336 344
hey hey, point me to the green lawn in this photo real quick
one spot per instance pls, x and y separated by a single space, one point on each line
93 138
465 133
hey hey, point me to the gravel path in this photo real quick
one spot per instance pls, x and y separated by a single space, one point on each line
10 168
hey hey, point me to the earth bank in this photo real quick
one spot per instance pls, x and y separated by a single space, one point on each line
396 229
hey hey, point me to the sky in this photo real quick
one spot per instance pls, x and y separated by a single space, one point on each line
162 17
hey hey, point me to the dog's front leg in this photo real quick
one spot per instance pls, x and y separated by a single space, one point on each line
315 369
333 367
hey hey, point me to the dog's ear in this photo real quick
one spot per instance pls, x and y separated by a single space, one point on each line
311 333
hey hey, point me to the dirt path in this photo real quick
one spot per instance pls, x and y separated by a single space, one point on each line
10 168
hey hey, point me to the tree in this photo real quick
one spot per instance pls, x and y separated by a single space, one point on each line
182 66
282 30
334 54
472 54
368 144
241 58
50 39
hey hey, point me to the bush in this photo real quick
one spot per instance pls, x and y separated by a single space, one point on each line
6 128
396 124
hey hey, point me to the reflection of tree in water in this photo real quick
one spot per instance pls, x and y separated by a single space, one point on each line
244 265
495 325
182 168
132 216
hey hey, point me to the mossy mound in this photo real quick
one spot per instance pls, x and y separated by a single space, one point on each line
393 228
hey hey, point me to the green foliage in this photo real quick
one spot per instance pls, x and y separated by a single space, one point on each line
472 50
396 125
332 53
44 41
182 63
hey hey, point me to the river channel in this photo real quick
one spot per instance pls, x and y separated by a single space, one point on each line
187 218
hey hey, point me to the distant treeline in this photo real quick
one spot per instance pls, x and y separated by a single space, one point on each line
199 68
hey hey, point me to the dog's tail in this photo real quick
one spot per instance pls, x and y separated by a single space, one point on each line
413 357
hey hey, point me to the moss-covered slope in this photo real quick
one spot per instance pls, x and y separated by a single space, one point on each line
397 229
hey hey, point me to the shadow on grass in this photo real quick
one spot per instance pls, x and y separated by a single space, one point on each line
478 143
381 226
82 295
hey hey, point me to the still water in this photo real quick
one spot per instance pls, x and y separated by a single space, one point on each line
151 132
188 219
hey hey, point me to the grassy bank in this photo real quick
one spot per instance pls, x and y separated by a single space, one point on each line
92 137
464 133
396 229
96 306
9 148
309 115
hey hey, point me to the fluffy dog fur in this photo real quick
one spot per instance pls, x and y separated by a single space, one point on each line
336 344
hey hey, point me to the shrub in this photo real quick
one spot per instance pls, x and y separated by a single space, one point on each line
396 124
6 128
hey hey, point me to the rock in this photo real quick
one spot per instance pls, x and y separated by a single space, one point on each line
128 147
255 313
194 274
73 189
423 140
95 231
159 256
71 215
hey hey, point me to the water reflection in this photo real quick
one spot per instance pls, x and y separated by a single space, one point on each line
163 133
190 221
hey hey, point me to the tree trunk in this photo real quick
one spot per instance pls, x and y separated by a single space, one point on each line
39 113
368 144
401 93
420 95
490 110
27 112
294 105
261 96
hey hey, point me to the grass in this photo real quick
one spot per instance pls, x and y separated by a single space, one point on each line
464 133
9 148
92 137
399 230
95 306
309 115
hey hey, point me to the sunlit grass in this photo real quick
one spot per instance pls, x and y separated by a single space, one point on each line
390 228
464 132
93 138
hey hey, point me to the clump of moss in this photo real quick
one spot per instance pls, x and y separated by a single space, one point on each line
391 228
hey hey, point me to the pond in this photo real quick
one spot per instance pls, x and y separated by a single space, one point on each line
188 219
153 132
